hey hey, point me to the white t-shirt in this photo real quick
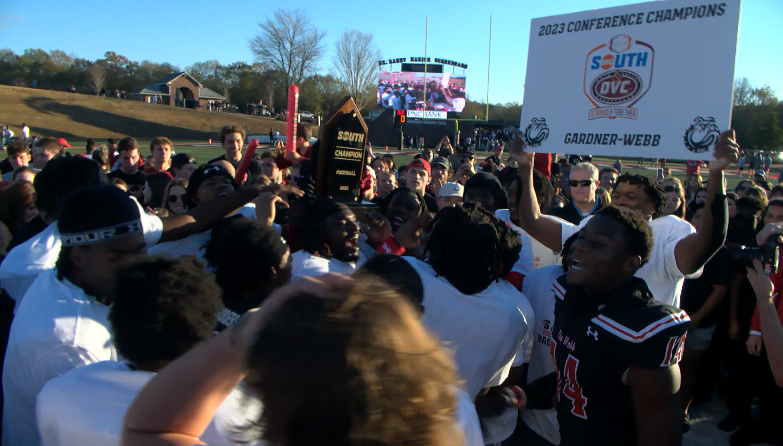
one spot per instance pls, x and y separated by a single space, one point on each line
661 273
309 265
195 244
542 256
57 328
86 407
538 289
26 132
9 134
25 262
484 330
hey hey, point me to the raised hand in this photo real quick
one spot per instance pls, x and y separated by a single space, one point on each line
518 151
726 151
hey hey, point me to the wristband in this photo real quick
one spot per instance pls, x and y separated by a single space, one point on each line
390 246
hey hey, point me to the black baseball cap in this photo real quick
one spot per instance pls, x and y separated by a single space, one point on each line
441 161
199 175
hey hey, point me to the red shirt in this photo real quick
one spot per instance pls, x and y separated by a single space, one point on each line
150 169
693 166
542 162
283 163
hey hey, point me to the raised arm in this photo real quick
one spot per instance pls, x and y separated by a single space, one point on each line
545 230
657 408
693 251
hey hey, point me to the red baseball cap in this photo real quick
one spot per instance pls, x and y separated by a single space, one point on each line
63 142
422 164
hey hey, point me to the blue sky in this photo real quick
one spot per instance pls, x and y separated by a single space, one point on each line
183 32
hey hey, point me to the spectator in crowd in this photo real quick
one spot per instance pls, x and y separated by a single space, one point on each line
155 190
675 203
402 209
160 149
618 166
123 186
608 177
101 156
18 155
497 156
63 146
693 167
402 174
44 150
466 169
270 168
129 168
183 165
175 196
331 240
17 205
415 404
111 147
582 184
700 299
664 274
98 395
776 192
450 195
387 182
743 187
232 138
604 195
301 152
441 170
89 148
732 198
25 132
246 248
389 158
695 183
23 173
418 177
379 165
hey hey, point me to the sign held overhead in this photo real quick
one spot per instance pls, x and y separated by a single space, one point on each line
627 81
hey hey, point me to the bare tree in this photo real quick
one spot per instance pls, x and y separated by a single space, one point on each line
97 78
743 92
289 43
355 65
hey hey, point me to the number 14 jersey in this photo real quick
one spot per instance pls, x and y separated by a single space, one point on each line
595 340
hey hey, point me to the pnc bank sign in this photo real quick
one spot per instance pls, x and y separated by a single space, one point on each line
426 114
617 75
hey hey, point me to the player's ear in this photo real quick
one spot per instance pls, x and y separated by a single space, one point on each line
632 264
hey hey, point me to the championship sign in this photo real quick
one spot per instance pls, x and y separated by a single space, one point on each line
651 80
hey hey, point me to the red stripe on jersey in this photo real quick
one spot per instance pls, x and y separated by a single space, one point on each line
515 278
626 333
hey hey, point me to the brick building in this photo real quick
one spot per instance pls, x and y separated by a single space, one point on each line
179 90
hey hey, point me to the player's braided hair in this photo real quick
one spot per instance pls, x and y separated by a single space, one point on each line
640 235
651 187
487 248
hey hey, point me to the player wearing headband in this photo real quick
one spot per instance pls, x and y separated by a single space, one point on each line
62 322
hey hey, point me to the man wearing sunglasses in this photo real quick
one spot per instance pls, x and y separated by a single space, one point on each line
582 183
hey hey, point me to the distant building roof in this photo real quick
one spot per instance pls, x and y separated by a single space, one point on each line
172 76
153 89
206 93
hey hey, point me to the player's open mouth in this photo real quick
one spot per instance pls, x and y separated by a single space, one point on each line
353 241
576 265
223 194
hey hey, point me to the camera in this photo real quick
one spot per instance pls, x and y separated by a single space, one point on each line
768 255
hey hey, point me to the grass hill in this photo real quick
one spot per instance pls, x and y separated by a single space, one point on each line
79 116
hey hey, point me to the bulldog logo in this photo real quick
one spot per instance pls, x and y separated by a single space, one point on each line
617 75
536 132
701 134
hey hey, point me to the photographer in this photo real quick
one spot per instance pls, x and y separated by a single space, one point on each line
766 341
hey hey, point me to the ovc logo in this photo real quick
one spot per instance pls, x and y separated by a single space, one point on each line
617 75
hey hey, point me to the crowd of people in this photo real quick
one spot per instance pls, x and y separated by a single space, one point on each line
519 299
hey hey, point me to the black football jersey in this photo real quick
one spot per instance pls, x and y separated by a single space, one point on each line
595 340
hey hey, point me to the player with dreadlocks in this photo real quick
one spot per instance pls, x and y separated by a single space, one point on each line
482 318
679 251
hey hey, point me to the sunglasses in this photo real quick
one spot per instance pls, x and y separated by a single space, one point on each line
174 198
583 183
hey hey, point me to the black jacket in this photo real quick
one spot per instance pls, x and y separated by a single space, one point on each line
570 214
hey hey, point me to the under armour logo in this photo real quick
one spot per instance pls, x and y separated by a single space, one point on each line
594 334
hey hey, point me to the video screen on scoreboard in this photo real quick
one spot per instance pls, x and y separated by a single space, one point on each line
413 91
